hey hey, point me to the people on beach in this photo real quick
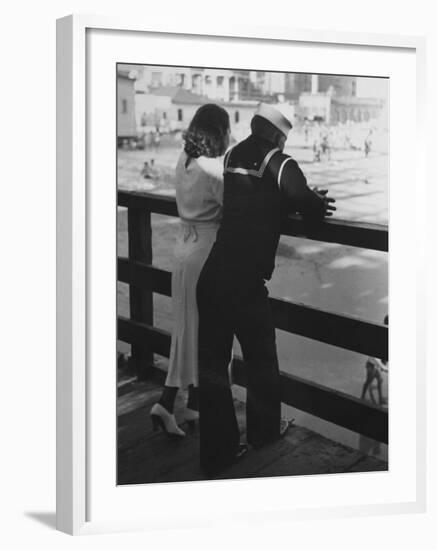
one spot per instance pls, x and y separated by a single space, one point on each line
374 370
317 144
146 172
149 170
199 196
261 186
157 140
368 143
317 150
326 144
153 170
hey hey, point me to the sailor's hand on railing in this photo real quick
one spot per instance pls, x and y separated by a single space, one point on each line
328 201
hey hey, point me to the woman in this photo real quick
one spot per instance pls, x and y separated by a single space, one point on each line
199 196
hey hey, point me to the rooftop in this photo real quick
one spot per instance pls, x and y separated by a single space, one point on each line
186 97
180 95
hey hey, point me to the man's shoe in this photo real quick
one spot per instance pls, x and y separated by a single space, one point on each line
284 426
213 470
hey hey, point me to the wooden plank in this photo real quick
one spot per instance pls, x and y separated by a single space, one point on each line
155 458
140 300
190 469
145 456
316 455
141 394
369 464
134 332
362 235
134 426
332 405
150 457
159 204
344 331
142 275
258 460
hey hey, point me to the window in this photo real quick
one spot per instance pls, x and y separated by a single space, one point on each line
156 79
180 115
180 80
124 106
237 117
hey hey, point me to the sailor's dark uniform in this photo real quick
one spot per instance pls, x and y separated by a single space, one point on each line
261 186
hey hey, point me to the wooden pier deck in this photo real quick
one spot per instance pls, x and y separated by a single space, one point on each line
145 456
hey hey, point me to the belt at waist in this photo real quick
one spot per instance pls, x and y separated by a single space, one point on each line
192 229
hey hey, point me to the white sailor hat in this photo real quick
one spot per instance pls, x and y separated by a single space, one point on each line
280 115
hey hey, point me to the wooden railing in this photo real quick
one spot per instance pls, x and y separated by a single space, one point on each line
331 328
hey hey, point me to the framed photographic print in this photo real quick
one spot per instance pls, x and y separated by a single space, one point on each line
232 281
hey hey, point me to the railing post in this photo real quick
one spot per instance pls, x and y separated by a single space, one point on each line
140 301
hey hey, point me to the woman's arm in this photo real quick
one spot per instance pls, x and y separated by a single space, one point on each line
213 168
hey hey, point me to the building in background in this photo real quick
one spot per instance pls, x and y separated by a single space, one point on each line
169 109
164 99
356 109
218 84
335 99
126 100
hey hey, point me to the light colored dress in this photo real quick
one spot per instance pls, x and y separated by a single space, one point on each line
199 198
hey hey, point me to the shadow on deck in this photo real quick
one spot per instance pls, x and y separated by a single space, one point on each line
145 456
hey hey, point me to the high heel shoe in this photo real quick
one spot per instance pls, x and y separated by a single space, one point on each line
161 418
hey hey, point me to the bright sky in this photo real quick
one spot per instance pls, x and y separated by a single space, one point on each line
372 87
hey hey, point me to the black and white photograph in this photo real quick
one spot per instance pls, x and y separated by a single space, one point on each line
252 273
218 285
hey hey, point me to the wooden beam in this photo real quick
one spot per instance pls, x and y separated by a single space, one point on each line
362 235
134 332
140 298
159 204
143 275
331 405
343 331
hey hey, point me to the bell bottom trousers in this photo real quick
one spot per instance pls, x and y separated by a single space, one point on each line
237 306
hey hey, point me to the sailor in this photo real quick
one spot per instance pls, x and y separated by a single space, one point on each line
262 185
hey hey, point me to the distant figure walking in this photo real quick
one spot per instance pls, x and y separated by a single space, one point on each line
157 140
317 150
368 144
306 132
326 146
374 369
199 198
